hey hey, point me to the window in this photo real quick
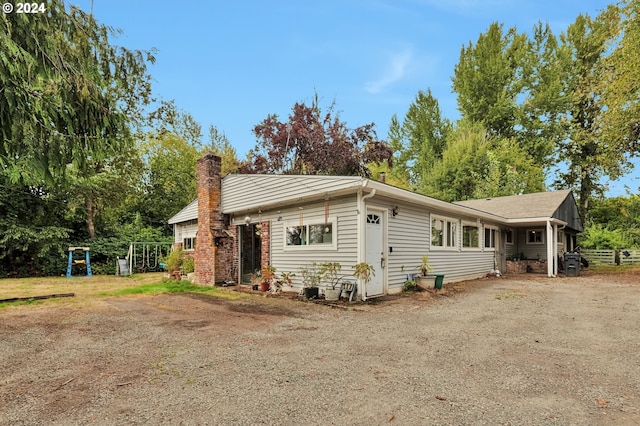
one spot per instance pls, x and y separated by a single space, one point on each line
560 236
509 235
189 243
535 236
444 233
489 238
312 234
470 236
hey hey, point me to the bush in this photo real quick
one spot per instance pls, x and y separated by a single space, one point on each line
188 265
174 261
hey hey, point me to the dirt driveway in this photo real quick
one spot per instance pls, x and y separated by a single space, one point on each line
524 350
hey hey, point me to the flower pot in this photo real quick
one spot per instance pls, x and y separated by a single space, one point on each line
332 293
264 286
311 292
426 282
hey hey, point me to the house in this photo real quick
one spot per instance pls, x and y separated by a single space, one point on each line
242 223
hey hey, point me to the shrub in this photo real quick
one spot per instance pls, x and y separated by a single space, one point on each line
175 260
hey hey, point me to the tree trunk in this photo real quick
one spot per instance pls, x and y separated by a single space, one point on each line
91 214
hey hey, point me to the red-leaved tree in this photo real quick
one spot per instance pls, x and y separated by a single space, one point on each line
313 142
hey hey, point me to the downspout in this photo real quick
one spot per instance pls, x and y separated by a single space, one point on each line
362 216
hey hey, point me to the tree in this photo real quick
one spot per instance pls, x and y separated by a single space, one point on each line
619 87
587 153
313 142
33 228
476 164
510 83
420 140
170 177
221 146
67 95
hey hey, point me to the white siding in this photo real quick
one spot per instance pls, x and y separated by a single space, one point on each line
252 192
184 230
408 238
289 259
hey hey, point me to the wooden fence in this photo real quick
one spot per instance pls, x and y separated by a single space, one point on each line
608 257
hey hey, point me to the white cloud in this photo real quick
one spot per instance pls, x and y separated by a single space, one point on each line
395 69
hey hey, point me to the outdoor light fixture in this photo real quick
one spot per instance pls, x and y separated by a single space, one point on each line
247 220
394 211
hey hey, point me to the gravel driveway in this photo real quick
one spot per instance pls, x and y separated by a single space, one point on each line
524 350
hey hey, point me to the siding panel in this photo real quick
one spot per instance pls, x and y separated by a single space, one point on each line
245 192
289 259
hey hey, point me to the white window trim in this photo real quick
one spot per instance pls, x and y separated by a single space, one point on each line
313 247
444 246
506 240
495 233
480 236
541 231
184 246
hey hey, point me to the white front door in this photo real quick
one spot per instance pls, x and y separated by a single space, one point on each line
375 252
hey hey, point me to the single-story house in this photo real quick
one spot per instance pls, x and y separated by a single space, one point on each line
242 223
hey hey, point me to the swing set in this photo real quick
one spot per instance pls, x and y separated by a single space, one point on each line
144 257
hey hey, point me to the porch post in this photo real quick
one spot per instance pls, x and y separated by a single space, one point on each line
555 249
549 249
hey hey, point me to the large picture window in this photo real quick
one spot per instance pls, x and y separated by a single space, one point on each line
470 236
313 234
444 232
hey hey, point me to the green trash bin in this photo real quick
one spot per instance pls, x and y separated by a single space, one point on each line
439 280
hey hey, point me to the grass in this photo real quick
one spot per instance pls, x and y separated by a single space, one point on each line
513 295
613 269
165 286
90 289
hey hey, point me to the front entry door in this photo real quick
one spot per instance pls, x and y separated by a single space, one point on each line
250 252
375 252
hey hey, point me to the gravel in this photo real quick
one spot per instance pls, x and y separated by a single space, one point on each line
521 350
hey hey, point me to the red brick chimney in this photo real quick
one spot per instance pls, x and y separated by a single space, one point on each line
210 218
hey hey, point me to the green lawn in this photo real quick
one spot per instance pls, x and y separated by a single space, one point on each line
99 286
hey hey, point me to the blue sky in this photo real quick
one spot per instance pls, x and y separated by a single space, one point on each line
231 63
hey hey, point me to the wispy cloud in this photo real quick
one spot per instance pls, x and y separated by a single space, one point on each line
395 69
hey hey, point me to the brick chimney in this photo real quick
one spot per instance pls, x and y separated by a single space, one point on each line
210 218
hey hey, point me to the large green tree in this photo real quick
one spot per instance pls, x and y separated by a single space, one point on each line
587 154
68 94
419 141
511 83
477 164
620 86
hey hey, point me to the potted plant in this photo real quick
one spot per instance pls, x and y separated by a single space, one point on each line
268 275
311 275
255 280
278 282
363 272
330 271
426 280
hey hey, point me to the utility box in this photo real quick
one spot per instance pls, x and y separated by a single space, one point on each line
572 264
